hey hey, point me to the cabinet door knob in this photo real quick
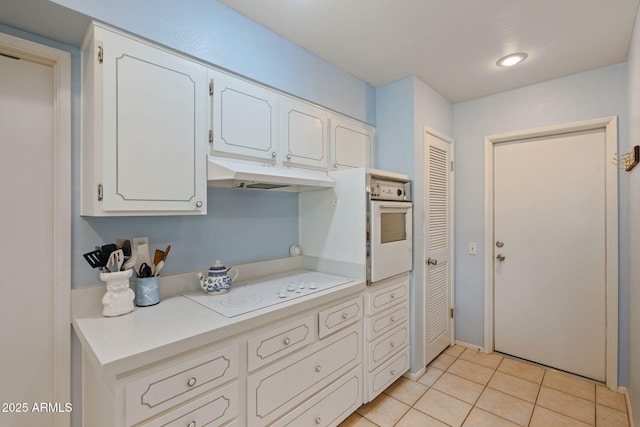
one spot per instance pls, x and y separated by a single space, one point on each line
318 368
287 341
198 204
274 154
289 156
191 381
335 165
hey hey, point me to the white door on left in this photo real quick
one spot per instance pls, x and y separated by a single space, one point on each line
28 275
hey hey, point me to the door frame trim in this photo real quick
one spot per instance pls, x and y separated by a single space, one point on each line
60 62
610 126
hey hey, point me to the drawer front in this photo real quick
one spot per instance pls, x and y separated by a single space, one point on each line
214 408
388 320
384 376
272 345
385 347
340 316
163 389
388 296
278 388
329 407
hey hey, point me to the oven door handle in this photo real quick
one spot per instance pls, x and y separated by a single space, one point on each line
402 208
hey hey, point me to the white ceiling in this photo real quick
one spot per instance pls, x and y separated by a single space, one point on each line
452 45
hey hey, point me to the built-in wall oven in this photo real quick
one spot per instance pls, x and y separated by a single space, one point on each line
389 225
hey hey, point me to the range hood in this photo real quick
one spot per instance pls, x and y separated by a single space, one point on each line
234 173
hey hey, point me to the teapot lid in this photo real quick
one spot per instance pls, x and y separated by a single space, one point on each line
217 266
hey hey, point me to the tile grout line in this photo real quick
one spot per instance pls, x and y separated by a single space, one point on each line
485 387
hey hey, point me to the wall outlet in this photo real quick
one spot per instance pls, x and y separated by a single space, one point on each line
473 248
137 241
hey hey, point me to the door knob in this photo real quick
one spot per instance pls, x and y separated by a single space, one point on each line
500 257
499 243
432 261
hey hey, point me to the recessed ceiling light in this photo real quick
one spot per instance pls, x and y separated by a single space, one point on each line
512 59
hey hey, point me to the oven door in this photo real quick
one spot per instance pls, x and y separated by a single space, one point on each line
390 239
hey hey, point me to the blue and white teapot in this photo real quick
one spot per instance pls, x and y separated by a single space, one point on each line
218 280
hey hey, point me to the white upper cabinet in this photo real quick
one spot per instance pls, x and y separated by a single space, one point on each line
244 118
305 134
351 143
144 135
254 122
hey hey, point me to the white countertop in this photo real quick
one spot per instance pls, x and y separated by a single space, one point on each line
177 325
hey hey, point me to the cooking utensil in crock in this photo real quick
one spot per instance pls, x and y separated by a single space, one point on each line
94 258
115 260
158 256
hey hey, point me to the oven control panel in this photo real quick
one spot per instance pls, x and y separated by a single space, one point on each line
386 189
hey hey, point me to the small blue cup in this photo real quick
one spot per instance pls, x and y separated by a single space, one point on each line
147 291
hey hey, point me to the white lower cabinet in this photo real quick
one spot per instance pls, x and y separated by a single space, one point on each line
215 408
387 334
388 373
164 389
329 407
302 370
279 342
280 388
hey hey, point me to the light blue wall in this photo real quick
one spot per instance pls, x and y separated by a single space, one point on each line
589 95
403 109
394 130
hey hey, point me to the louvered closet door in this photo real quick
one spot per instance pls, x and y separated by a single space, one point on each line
438 262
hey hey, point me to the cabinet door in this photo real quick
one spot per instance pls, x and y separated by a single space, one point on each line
244 118
154 111
351 144
305 134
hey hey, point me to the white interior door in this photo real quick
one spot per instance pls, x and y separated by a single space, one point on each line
34 183
438 244
549 251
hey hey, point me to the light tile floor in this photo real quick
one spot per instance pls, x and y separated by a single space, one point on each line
464 387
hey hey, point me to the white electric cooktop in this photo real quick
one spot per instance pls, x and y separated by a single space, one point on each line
260 293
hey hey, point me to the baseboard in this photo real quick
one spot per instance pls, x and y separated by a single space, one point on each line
471 346
415 376
625 391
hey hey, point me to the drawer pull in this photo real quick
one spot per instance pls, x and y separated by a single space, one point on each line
318 368
393 318
393 296
345 316
191 424
191 382
287 341
393 372
393 343
318 420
